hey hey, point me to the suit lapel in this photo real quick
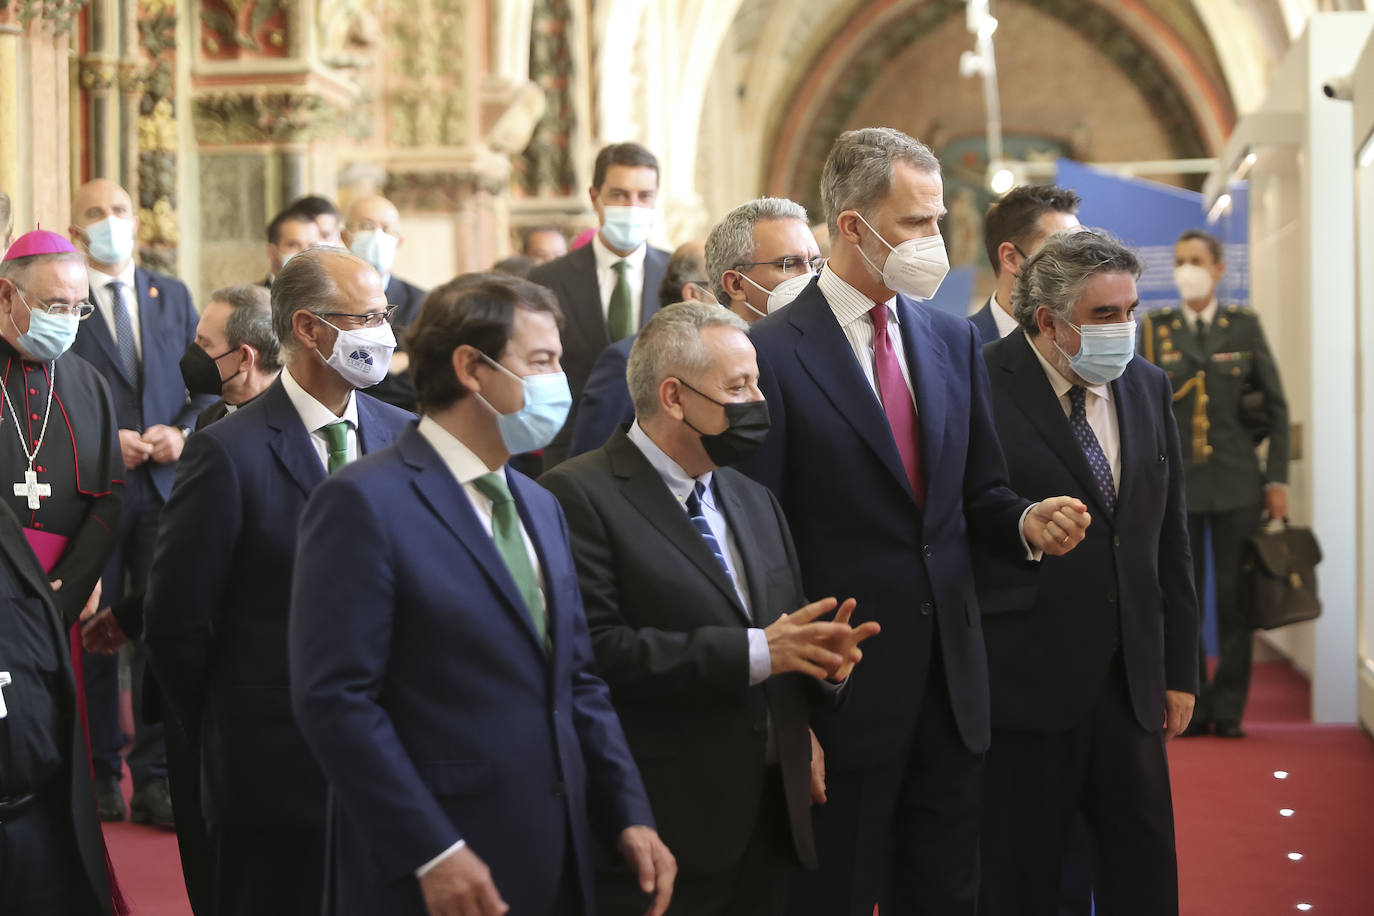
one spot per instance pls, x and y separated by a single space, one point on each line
645 490
743 524
1125 398
290 441
655 265
440 491
584 295
928 363
1033 394
149 305
373 434
824 352
537 528
99 331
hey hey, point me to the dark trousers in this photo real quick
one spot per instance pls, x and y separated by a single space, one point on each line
755 886
1112 770
126 573
902 832
40 868
268 871
193 841
1223 699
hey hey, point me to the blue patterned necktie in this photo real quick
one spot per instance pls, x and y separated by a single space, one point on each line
124 333
1092 450
693 505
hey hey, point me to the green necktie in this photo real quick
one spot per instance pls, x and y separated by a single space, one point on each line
505 531
619 321
336 434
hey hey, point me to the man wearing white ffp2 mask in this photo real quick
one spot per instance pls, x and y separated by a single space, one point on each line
761 256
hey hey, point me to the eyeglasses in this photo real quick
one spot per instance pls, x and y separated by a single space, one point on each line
365 225
78 310
789 265
369 320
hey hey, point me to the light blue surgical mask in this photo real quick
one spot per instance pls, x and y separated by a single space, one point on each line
376 247
111 241
533 426
1104 350
626 228
48 336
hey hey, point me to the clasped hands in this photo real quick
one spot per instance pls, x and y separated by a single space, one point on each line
823 649
160 444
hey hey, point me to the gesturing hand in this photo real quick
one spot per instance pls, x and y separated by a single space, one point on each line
846 645
652 862
461 885
1178 712
1056 525
799 642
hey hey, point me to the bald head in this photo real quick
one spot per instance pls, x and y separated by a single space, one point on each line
104 224
372 212
321 280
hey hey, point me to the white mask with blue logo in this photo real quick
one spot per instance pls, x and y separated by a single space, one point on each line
361 356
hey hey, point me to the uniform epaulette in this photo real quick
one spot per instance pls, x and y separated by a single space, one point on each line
1165 312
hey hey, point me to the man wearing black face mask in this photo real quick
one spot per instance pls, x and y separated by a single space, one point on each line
236 354
694 602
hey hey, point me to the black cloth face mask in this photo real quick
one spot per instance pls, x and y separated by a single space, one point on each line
746 428
200 371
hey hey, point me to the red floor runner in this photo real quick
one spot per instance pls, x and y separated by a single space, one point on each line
1233 844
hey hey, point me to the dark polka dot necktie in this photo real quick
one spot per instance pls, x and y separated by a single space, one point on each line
1092 449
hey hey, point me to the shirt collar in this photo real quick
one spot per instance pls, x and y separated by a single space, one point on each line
605 257
1005 323
848 303
678 481
457 457
313 414
1060 384
99 279
1208 314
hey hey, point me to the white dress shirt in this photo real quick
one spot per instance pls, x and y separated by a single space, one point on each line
851 309
1208 314
1005 323
466 467
103 298
606 276
681 486
1098 405
316 417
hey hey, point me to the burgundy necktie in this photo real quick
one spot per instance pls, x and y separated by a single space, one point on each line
897 403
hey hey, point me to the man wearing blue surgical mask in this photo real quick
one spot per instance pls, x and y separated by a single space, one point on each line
607 288
1092 657
372 231
465 565
215 616
135 339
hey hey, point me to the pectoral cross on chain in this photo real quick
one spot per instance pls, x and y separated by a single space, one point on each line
32 488
4 682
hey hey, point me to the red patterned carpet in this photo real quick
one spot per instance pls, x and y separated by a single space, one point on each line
1234 845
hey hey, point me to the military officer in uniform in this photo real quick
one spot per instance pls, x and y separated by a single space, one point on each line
1227 398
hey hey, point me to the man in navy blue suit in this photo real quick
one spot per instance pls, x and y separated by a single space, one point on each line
440 665
884 457
216 611
1014 228
1091 656
142 325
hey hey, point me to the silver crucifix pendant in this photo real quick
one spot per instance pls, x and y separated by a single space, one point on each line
32 488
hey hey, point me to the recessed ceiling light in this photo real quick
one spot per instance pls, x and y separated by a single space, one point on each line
1280 774
1286 812
1295 856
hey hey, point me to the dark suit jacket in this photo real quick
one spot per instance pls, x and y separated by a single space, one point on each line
1052 628
216 610
1234 358
573 280
397 388
831 460
430 702
985 323
605 402
76 772
668 630
167 323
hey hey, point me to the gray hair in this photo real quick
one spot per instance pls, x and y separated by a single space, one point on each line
250 322
858 171
1056 274
731 242
304 283
670 345
19 268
